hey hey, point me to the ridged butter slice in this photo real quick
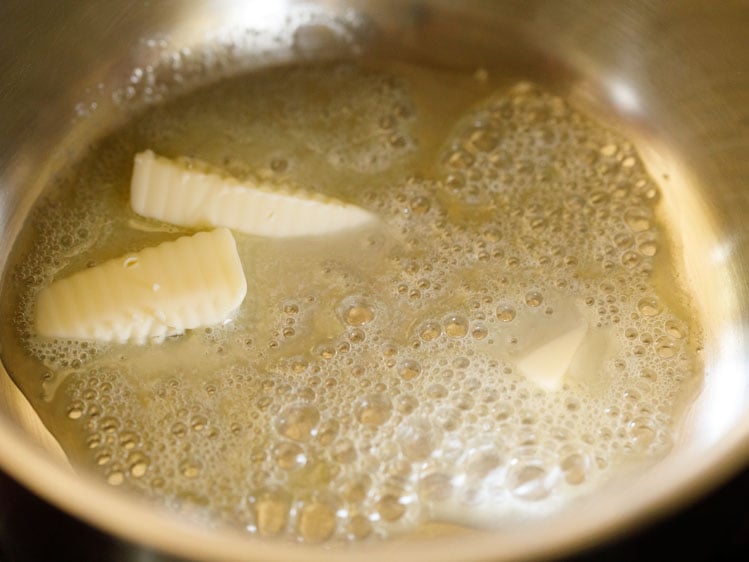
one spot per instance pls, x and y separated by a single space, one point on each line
184 193
188 283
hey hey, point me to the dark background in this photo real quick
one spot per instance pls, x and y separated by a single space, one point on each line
715 528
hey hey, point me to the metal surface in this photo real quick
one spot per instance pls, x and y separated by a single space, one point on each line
673 75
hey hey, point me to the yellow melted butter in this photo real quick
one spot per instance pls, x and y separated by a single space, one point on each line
367 387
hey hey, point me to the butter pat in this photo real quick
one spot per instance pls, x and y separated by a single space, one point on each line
188 283
547 364
186 194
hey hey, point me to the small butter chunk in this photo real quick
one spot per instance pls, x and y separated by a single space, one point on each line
186 194
188 283
547 364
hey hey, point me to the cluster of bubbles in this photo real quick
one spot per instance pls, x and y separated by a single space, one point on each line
306 32
358 399
62 229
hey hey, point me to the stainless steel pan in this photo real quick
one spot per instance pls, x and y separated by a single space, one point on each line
673 75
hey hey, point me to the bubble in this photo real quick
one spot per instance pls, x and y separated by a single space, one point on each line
502 411
109 425
430 331
490 394
316 521
359 527
75 410
406 403
270 508
506 313
455 181
483 140
128 440
103 457
482 463
137 464
373 409
649 375
648 248
356 335
326 351
436 486
534 298
306 394
674 329
190 468
116 478
93 441
631 259
409 369
665 348
461 362
437 390
464 401
641 432
479 332
649 306
298 421
460 159
279 165
291 308
344 451
290 456
637 219
357 489
419 205
575 466
456 326
327 432
448 419
179 429
418 439
356 312
531 476
392 504
198 423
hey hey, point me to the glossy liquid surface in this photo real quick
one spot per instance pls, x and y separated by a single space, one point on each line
370 383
